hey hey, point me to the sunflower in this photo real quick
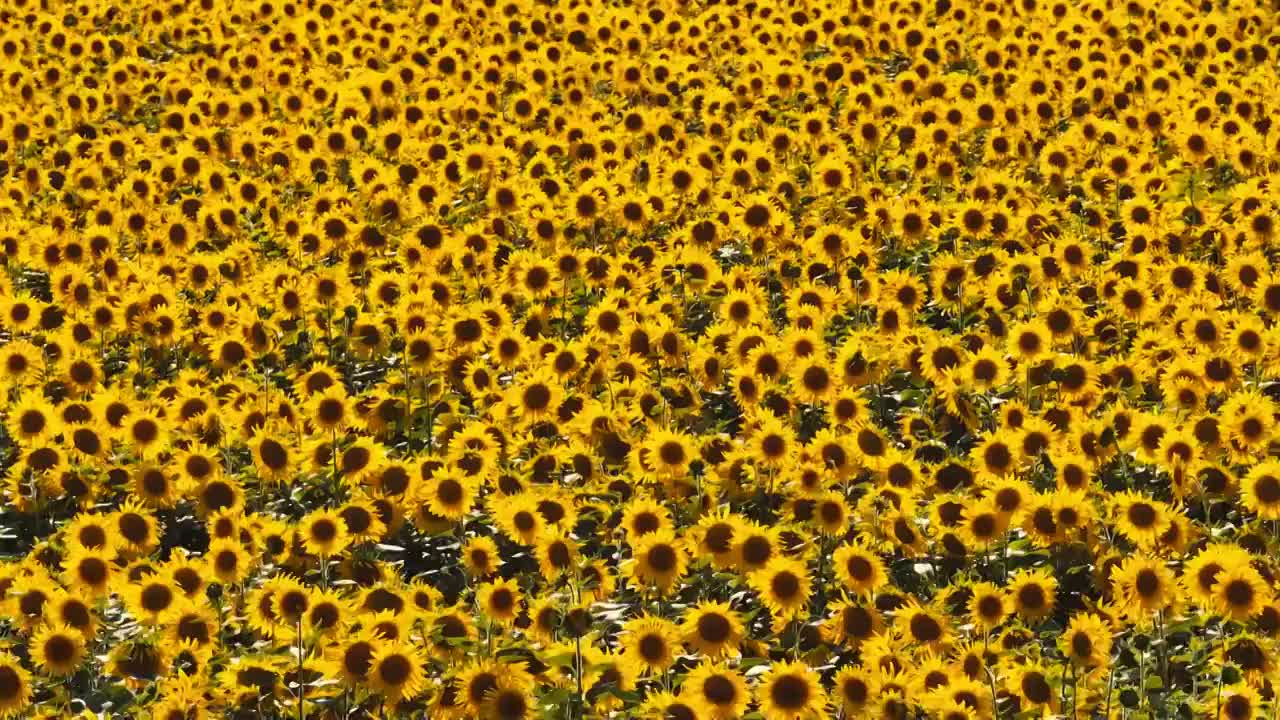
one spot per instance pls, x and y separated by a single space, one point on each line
518 518
509 701
449 630
396 670
330 409
848 409
1140 518
71 610
670 453
650 643
1033 684
150 599
82 372
58 650
772 444
853 689
1249 653
274 458
196 466
324 533
262 612
1033 594
962 697
643 515
1200 573
659 559
479 680
922 626
290 600
449 493
327 612
358 460
814 380
1239 702
447 702
831 513
717 691
191 623
535 396
89 571
783 586
1030 341
852 623
228 561
556 551
360 516
931 679
134 529
1009 496
500 601
1240 592
662 705
985 369
218 494
138 661
996 456
609 673
791 691
15 686
1142 586
1247 419
988 606
146 432
1040 521
32 419
983 523
187 573
1261 490
317 379
904 530
179 706
481 557
155 485
545 618
693 310
89 531
756 546
350 658
713 629
254 677
859 569
1087 640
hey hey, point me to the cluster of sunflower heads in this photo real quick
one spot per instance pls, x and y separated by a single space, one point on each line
668 359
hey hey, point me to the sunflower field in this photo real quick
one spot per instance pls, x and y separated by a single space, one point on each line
655 359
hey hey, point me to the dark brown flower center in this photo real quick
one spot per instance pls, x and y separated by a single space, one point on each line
395 670
790 692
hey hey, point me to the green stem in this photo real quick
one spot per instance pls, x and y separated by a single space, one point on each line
302 685
995 696
1222 637
1111 679
1142 678
336 481
581 703
431 417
